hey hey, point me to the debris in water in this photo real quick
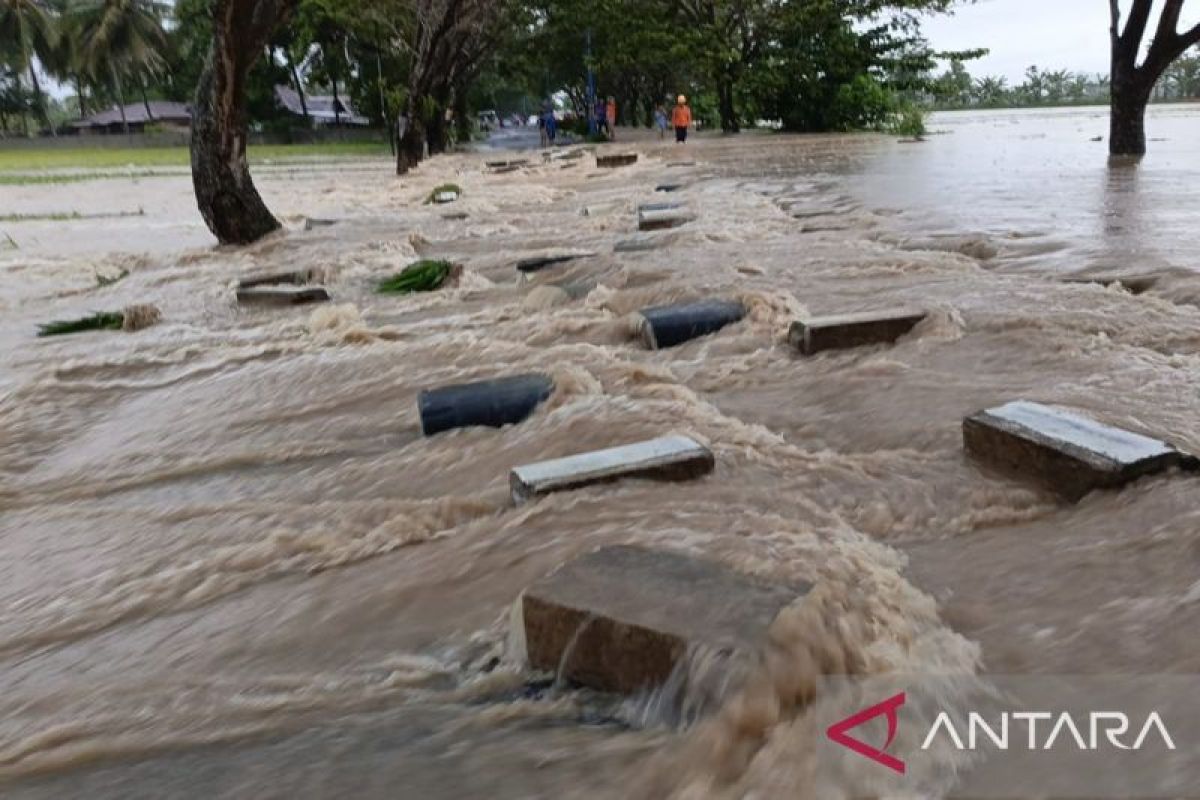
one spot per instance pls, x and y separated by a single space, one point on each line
843 331
622 618
617 160
282 295
493 403
133 318
670 458
1070 454
426 275
667 326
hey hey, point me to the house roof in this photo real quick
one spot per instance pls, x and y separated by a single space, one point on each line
135 113
320 106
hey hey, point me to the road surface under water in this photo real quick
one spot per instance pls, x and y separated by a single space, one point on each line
232 566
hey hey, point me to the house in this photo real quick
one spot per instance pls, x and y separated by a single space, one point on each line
321 108
162 113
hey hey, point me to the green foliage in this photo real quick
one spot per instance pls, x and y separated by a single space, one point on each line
445 187
100 321
421 276
909 120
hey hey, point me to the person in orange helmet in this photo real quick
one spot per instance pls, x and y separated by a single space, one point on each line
610 116
681 118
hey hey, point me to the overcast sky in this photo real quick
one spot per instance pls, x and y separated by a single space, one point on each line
1053 34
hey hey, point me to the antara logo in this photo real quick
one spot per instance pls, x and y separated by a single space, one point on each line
1100 729
837 732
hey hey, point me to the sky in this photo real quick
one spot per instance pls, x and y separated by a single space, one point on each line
1053 34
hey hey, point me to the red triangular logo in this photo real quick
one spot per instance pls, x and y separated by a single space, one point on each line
837 732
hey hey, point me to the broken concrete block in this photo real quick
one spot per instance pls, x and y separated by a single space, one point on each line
641 244
295 278
621 618
651 207
667 326
494 403
282 295
455 216
670 458
618 160
445 197
851 330
313 222
657 220
541 262
1068 453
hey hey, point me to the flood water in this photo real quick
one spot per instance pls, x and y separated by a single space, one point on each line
231 566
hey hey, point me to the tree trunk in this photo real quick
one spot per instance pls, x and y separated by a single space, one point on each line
79 95
1127 123
120 97
411 148
337 105
725 105
295 73
225 193
145 99
39 102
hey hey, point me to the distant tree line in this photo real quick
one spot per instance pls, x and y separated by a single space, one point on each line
957 88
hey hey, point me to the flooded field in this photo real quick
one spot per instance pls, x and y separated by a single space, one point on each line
233 567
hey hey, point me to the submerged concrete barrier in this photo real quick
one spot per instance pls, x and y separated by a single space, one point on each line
670 458
666 215
313 222
282 295
621 618
616 160
541 262
667 326
492 403
1069 454
295 278
852 330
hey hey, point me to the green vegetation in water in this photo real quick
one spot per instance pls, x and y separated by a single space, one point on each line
909 120
422 276
100 321
445 187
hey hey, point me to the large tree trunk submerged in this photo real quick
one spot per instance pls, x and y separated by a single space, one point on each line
225 193
1127 122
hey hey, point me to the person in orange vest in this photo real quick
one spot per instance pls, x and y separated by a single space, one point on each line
681 118
610 114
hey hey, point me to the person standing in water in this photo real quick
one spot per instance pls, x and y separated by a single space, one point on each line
610 116
660 120
681 118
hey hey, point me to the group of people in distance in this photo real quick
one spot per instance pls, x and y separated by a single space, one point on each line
605 114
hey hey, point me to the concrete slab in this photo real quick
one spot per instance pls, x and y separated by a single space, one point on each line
651 207
652 220
667 326
282 295
620 618
1068 453
445 197
642 244
294 278
313 222
852 330
512 162
669 458
616 160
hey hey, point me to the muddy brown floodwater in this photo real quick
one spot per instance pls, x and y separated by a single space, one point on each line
231 566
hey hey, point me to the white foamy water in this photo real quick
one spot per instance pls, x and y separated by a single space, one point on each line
232 566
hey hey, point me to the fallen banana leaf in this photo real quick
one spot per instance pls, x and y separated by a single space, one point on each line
422 276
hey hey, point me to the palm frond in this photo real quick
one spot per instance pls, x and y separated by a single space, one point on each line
422 276
100 321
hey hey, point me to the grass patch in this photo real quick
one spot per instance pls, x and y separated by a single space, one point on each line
445 187
100 321
422 276
108 158
59 216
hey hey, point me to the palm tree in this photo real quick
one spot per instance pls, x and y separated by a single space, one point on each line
27 30
124 36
